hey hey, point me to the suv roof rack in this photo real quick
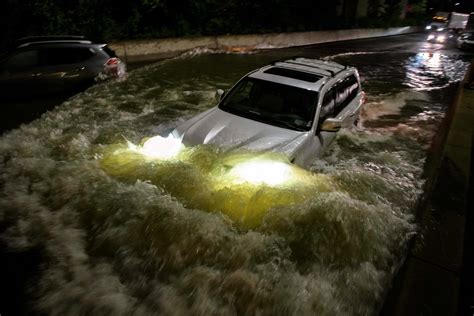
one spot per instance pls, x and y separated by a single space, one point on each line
331 68
31 40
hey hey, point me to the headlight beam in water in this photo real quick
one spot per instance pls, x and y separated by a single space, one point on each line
268 172
159 147
257 172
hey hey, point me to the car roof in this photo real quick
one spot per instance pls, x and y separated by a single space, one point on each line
306 73
48 40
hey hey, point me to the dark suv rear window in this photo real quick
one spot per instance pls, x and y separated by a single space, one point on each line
66 55
293 74
109 51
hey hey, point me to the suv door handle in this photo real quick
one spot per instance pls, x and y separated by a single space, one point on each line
36 74
81 68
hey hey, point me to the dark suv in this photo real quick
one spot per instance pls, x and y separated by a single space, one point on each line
56 63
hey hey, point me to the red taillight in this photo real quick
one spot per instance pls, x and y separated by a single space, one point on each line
112 61
114 67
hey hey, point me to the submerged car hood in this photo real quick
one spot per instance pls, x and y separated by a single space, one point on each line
231 131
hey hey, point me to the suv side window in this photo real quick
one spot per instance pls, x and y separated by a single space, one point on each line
347 90
65 55
352 87
25 59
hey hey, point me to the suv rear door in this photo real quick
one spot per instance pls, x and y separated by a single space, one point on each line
348 99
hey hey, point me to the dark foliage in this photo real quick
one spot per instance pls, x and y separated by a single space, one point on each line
118 19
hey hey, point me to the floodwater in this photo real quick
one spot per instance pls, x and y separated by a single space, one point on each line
121 234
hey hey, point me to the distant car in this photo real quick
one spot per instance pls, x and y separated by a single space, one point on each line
294 107
436 27
440 37
465 40
56 63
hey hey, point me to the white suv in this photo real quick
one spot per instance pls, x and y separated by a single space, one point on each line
294 107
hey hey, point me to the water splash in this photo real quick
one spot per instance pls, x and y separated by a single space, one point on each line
122 234
349 54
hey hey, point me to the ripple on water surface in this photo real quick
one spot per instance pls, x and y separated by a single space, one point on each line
122 233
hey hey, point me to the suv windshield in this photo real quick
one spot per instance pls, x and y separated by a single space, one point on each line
272 103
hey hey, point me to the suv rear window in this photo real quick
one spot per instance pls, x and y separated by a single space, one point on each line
109 51
346 91
293 74
66 55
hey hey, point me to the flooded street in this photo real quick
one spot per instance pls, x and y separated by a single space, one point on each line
123 235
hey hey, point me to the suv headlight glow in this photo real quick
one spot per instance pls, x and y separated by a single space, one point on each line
262 172
159 147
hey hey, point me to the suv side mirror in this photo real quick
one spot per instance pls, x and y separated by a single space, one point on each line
331 125
219 94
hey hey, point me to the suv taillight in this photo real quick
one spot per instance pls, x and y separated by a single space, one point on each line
112 61
114 67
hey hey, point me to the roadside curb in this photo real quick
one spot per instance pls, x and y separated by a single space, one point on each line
136 51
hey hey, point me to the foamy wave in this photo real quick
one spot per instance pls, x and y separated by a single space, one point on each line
383 105
163 239
331 57
199 51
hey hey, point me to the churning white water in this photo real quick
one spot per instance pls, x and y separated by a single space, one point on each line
122 235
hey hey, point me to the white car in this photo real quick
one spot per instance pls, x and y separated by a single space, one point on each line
438 37
294 107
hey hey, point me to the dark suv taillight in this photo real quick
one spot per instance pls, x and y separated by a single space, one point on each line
112 61
114 67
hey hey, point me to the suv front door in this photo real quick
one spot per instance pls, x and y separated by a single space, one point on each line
328 110
66 67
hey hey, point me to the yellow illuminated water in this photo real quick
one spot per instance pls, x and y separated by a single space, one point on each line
241 185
